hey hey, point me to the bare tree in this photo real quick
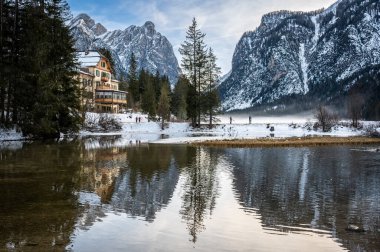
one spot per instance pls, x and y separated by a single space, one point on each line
355 107
326 118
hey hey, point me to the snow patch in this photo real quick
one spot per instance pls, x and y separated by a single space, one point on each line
317 30
304 68
10 135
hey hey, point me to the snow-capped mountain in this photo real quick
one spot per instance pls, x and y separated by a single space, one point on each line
299 56
152 50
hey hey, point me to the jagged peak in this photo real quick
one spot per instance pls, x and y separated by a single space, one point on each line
149 24
86 18
282 14
149 27
99 29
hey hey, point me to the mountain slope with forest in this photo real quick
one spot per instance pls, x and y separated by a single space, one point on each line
305 58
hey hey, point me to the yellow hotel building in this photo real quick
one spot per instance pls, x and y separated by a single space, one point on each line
99 90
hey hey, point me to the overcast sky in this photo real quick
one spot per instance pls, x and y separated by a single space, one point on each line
223 21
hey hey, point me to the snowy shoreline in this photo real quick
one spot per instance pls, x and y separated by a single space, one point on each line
144 131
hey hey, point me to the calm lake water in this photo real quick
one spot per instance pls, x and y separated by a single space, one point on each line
90 195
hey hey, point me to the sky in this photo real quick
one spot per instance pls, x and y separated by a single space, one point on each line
223 21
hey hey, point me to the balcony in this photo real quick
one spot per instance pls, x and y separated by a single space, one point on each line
110 97
104 87
104 79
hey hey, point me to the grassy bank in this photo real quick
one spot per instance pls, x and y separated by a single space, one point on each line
291 142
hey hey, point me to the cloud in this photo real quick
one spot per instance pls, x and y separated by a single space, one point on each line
224 21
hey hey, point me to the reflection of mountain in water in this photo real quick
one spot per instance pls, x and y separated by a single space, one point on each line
327 188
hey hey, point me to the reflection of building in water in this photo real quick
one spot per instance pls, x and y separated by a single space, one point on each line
100 169
141 182
293 187
104 181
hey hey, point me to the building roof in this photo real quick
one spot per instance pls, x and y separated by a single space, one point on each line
85 73
89 59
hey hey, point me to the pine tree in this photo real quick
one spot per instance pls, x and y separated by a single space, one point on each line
44 97
157 85
164 106
193 61
149 101
178 101
6 16
144 78
55 107
132 79
211 96
191 104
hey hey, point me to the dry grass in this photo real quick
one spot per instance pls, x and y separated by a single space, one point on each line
291 142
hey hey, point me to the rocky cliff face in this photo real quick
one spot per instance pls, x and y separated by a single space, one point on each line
316 55
152 50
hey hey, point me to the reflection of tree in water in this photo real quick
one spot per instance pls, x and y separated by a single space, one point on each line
149 181
139 181
38 208
200 190
325 187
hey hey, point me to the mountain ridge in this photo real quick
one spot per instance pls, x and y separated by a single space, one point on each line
304 55
152 50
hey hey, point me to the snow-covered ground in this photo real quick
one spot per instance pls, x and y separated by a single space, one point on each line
10 135
150 132
284 126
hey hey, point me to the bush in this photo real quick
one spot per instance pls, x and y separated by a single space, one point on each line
101 122
373 130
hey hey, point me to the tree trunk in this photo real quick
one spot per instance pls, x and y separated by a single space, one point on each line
2 89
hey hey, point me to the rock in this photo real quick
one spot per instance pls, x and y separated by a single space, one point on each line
99 29
354 228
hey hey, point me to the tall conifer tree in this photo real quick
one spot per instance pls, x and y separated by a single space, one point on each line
211 99
163 107
193 61
132 79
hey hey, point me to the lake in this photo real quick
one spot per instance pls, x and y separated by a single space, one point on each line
97 195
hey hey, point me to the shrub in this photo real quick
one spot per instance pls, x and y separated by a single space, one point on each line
101 122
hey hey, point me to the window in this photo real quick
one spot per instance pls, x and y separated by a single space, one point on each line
88 95
103 64
97 73
98 83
